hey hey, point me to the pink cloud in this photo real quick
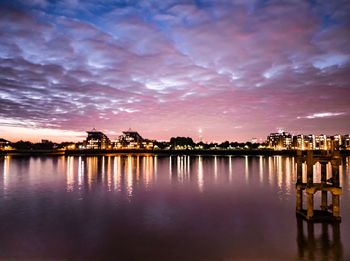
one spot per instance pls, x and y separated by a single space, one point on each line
171 68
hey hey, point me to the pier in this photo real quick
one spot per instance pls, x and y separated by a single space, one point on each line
318 240
329 211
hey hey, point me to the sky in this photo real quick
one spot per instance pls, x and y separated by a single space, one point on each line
233 69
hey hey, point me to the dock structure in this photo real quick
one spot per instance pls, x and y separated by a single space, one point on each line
327 185
316 241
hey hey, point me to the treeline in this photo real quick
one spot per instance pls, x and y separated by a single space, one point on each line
27 145
175 143
188 143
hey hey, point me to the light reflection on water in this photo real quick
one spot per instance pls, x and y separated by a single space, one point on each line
126 172
5 174
200 178
234 203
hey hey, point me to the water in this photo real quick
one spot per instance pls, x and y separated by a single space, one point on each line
161 208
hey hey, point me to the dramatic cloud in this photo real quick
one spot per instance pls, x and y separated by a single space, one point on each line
322 115
235 69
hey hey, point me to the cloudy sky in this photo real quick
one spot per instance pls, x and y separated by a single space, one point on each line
235 69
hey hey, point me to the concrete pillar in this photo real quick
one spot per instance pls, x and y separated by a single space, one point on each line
310 168
299 171
337 245
336 205
325 241
310 205
310 174
335 173
324 203
311 240
299 201
336 232
323 172
325 233
301 238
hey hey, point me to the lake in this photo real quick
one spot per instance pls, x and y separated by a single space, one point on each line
146 207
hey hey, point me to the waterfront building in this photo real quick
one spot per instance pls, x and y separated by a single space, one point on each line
336 141
132 140
147 144
96 140
298 142
4 144
346 142
280 141
321 142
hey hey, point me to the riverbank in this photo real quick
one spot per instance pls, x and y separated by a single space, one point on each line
158 152
182 152
32 153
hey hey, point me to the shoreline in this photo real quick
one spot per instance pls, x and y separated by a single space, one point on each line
162 152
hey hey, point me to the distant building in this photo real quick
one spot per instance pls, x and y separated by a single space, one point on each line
280 141
303 142
132 140
4 143
321 142
132 136
346 142
308 142
96 140
284 140
336 142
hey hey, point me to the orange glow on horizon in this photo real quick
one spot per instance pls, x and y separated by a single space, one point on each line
14 134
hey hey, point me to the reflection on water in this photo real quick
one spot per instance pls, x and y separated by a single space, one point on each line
70 174
81 171
200 178
246 168
123 173
120 173
214 207
6 171
261 169
319 241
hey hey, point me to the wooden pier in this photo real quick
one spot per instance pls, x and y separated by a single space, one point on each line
318 241
327 186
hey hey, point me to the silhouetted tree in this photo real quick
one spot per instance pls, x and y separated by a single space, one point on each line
224 145
203 145
44 146
161 144
181 141
22 145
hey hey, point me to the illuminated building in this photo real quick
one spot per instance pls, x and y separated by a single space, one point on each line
96 140
346 141
280 140
299 142
336 141
147 144
4 144
321 142
132 140
311 142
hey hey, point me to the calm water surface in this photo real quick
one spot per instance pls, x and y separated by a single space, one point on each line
162 208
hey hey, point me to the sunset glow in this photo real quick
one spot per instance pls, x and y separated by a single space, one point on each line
238 69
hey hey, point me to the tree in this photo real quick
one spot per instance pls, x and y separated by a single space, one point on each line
181 141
